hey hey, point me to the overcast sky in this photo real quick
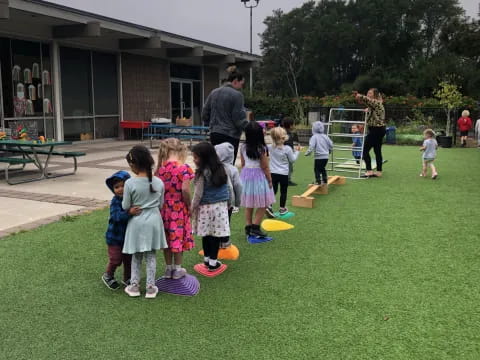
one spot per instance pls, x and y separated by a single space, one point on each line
223 22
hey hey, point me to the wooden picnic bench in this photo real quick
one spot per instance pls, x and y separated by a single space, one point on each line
160 131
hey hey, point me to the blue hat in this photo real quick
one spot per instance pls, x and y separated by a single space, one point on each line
119 175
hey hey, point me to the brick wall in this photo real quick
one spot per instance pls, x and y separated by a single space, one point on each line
146 87
211 80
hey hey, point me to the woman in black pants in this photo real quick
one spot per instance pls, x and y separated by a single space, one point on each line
376 129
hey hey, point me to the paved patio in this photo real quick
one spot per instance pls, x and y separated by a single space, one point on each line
26 206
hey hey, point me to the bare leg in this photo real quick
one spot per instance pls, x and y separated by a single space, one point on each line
259 214
178 257
248 216
434 170
167 254
424 169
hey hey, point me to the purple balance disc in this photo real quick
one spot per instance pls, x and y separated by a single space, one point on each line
186 286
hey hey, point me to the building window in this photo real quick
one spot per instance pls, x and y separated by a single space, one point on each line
27 94
89 94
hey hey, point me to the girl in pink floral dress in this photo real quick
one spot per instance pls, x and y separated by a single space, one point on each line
176 176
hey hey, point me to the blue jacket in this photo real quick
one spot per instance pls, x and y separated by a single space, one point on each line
117 223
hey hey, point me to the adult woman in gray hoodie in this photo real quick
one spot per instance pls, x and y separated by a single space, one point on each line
224 112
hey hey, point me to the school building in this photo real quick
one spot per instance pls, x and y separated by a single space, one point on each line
74 75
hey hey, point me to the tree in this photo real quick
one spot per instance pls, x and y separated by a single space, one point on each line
450 97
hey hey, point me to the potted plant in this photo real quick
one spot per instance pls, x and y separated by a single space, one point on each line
450 98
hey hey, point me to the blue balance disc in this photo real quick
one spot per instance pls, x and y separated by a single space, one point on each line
286 216
258 240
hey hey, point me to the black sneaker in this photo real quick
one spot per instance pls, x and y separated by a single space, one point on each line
291 183
270 213
256 231
214 267
110 282
247 229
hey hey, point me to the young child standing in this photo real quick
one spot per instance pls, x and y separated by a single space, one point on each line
210 203
145 232
176 176
357 143
225 152
256 179
288 124
429 149
322 146
115 236
281 157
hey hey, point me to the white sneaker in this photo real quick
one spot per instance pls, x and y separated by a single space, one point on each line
152 292
133 290
235 210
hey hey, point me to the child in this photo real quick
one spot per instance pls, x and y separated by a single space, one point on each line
477 131
225 153
281 157
288 125
210 203
176 176
357 143
256 179
145 233
464 124
322 146
115 236
429 149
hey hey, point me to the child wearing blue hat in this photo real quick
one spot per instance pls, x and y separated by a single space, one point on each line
115 236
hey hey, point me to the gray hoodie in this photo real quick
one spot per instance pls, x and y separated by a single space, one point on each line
224 112
225 154
320 143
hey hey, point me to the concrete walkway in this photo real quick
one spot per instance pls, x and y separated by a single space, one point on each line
26 206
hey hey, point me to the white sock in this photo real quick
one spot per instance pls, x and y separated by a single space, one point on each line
177 267
169 267
206 259
212 262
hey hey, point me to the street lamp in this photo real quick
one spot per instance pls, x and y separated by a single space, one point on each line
249 4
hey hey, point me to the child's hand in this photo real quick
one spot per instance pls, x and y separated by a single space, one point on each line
298 148
135 210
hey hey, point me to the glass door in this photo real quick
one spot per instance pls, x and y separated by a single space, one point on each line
182 99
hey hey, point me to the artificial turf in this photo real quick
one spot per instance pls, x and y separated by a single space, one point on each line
380 269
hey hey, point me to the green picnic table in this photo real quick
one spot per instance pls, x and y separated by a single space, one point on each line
28 151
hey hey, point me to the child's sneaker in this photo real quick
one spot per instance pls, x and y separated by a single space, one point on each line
126 282
235 210
110 282
270 213
283 211
214 267
247 229
168 273
179 273
256 231
152 292
133 290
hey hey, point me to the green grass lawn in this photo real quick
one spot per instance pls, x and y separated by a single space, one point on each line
379 269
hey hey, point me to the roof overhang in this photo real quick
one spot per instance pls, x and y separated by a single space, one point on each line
44 21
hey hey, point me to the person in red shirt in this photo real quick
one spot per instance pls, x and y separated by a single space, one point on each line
464 125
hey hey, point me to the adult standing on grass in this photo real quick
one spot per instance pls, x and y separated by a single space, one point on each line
376 129
464 125
224 112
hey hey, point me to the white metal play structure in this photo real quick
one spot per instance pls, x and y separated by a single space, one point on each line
340 121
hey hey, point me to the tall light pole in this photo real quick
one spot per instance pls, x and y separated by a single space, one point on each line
249 4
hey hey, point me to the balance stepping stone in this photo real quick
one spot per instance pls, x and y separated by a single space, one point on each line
203 270
258 240
186 286
230 253
286 216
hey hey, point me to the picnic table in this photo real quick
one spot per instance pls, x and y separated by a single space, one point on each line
25 152
176 131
